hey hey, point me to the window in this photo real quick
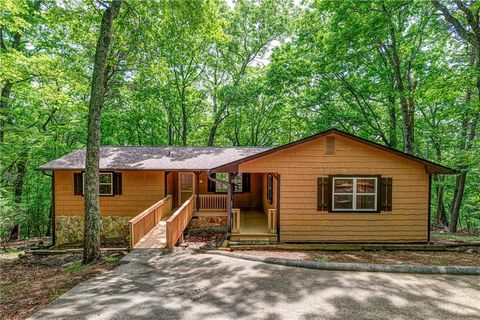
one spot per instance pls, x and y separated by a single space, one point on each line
238 183
270 188
105 183
354 194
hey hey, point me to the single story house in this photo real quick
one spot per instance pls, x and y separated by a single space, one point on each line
329 187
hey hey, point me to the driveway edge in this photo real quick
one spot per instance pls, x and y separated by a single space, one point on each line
363 267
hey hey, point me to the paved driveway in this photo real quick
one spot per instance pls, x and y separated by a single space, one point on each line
188 285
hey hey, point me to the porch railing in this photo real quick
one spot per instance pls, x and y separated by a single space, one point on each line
148 219
235 220
179 220
272 220
212 202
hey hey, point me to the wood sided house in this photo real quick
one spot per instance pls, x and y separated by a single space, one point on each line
329 187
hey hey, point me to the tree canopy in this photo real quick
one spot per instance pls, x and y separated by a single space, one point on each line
404 73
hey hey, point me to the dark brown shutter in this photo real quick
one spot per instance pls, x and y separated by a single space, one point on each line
322 194
211 185
78 184
329 193
246 182
117 183
386 194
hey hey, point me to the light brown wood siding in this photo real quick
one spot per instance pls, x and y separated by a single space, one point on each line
301 165
140 189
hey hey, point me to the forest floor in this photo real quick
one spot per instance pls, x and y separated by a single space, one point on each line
462 236
30 282
470 257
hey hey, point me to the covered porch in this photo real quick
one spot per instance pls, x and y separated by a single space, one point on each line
250 214
245 204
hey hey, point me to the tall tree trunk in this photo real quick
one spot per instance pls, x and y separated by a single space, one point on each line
184 125
7 88
408 111
91 240
20 176
392 113
5 96
469 127
440 214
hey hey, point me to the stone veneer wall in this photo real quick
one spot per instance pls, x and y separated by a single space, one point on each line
208 221
69 229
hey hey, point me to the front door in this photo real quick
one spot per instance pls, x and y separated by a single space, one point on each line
186 186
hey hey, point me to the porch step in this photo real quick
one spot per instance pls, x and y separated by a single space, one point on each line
269 237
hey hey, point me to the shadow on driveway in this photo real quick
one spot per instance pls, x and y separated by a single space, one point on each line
151 284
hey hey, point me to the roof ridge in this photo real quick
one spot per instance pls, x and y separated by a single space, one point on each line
185 147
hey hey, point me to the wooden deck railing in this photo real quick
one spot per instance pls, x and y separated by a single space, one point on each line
272 220
212 202
235 220
179 220
148 219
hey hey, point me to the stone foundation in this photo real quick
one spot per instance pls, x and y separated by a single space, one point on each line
208 221
113 229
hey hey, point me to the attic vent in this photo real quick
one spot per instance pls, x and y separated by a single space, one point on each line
330 145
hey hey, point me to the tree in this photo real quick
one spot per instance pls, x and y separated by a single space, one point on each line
91 243
464 19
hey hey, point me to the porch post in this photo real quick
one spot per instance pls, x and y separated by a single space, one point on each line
197 198
166 182
229 205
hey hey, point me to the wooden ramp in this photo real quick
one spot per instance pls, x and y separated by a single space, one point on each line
157 237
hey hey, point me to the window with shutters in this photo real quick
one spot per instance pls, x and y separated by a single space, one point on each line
105 183
270 188
356 194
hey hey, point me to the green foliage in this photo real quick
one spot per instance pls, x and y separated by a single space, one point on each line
111 259
215 72
76 267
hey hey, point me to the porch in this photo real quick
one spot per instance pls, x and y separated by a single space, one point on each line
253 213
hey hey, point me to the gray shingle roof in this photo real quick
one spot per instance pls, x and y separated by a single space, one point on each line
155 158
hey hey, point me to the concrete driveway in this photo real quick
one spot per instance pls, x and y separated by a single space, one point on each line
188 285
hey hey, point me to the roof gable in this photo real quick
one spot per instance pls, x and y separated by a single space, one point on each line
430 167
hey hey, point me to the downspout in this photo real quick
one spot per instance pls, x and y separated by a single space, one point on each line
429 205
278 207
229 198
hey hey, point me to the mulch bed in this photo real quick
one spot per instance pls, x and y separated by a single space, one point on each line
203 239
449 258
31 282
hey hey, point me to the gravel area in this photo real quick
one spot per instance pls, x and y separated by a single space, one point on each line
449 258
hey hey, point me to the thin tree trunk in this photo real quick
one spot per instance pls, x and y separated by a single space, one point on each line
440 216
393 124
5 96
6 90
91 242
20 176
470 131
457 201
